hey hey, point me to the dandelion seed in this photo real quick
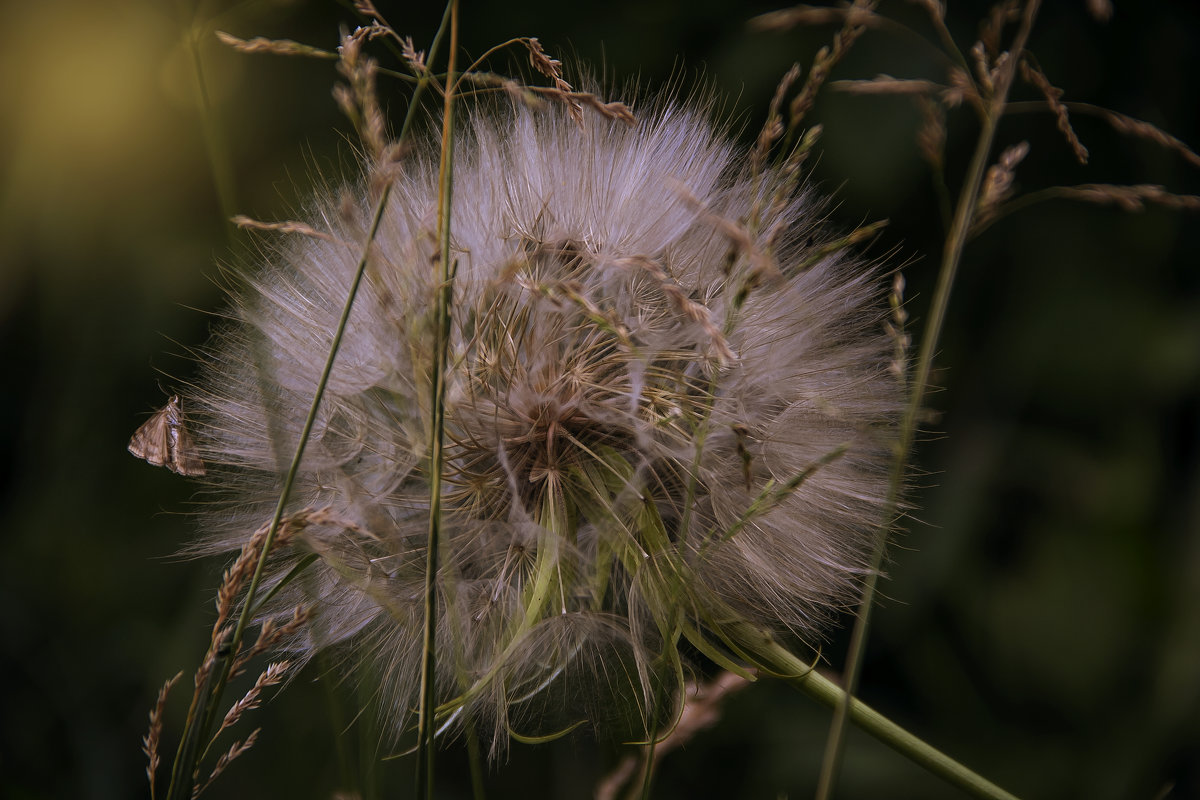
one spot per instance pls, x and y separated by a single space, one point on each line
648 435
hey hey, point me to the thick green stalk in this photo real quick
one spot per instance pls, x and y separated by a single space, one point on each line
951 258
825 691
475 757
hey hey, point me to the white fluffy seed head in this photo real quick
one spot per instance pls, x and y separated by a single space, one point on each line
645 349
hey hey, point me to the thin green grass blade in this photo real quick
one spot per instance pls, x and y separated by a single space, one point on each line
182 776
426 728
293 573
951 258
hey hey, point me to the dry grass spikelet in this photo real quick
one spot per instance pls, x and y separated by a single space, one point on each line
153 735
650 436
235 750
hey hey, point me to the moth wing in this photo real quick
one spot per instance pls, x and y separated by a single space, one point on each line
150 440
184 458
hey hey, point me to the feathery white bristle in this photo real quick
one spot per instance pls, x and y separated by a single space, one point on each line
608 399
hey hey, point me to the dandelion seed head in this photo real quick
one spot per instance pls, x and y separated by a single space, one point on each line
629 386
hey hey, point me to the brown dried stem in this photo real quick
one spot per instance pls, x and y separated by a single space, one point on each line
773 128
358 99
1136 197
1031 73
612 110
235 750
998 184
700 710
278 47
856 20
288 226
272 675
552 69
1122 123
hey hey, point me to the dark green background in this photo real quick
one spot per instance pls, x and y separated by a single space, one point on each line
1042 621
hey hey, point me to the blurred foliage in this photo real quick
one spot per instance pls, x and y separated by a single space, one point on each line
1042 620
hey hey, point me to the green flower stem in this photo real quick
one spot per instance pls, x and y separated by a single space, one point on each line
540 590
475 759
539 593
825 691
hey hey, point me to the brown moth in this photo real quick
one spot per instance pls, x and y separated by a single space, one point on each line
164 442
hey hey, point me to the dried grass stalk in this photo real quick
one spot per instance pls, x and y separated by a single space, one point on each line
931 136
278 47
153 735
1145 130
613 110
1130 198
991 32
235 750
271 676
856 18
773 128
998 184
700 708
859 15
288 226
1053 95
886 84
